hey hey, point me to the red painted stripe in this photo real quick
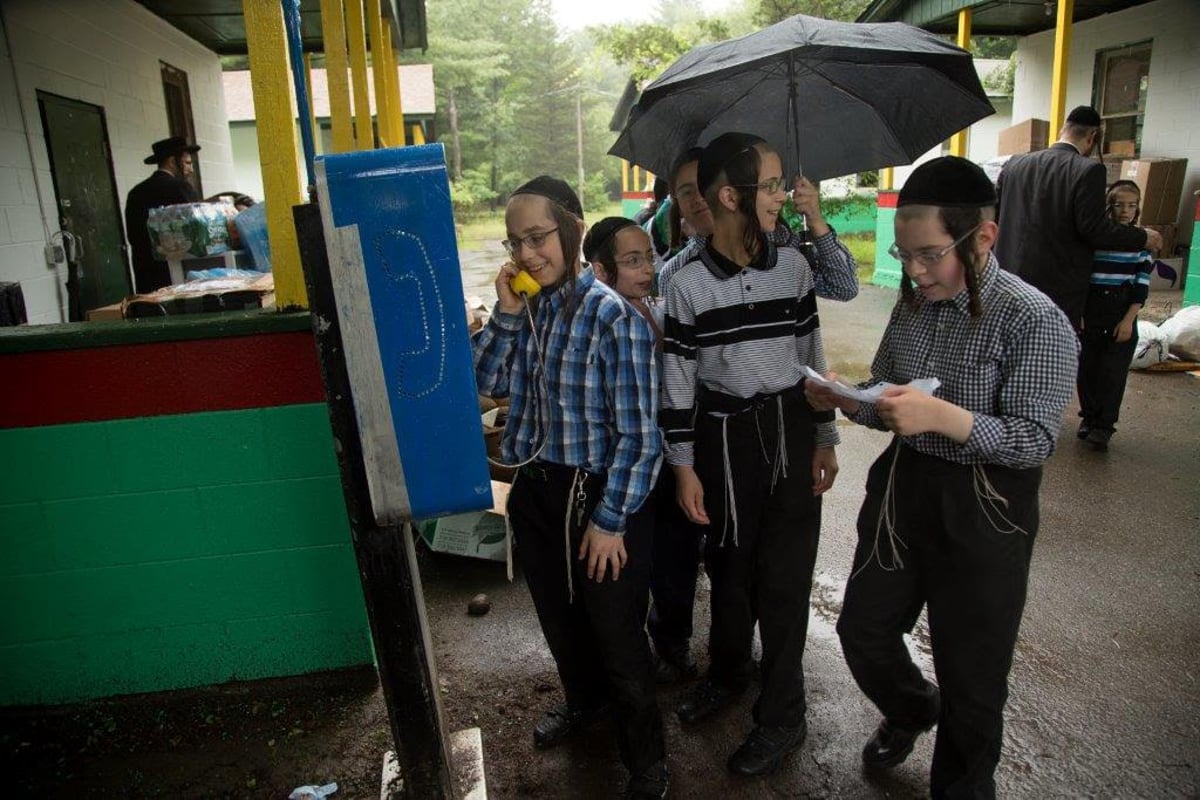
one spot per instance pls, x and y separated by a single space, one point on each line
637 195
1198 209
887 198
146 380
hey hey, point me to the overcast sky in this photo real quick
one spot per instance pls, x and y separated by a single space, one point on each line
575 14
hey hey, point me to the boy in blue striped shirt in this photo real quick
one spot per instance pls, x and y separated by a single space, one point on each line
1119 286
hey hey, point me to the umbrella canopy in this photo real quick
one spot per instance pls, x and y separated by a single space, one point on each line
834 97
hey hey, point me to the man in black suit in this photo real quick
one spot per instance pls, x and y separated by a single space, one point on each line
167 186
1052 216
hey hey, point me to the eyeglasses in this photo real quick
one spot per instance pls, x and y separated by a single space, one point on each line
637 261
928 258
770 187
533 241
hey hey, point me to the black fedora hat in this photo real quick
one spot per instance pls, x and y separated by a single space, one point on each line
173 146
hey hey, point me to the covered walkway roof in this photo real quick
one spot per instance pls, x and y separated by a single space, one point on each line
988 17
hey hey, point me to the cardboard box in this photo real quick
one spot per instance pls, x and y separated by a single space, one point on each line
1161 182
104 313
479 534
1125 148
1024 137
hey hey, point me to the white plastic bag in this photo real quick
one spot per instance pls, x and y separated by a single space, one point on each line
313 792
1151 347
1182 331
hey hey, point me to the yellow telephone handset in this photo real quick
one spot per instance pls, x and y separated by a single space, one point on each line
524 284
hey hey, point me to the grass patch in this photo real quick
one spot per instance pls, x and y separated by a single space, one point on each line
862 247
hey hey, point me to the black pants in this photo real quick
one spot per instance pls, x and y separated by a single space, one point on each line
971 577
598 640
673 573
1103 362
763 573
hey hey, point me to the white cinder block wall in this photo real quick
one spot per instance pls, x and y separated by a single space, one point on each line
107 53
1172 121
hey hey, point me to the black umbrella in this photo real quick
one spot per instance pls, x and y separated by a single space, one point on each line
835 97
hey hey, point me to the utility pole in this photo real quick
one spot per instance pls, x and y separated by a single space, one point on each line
579 138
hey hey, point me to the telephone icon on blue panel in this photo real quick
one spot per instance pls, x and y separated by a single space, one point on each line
415 308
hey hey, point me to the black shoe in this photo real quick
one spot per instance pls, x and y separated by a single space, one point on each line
561 721
1098 439
674 666
1084 430
705 700
763 751
650 783
889 746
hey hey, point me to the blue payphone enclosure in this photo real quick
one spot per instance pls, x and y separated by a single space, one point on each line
393 260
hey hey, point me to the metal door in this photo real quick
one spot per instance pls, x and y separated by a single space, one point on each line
81 167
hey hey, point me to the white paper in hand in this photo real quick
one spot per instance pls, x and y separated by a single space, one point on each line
926 385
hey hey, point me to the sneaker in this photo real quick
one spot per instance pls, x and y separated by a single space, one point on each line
652 782
705 700
763 751
561 721
1084 430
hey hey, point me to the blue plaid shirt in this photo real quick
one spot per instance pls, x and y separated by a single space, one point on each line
603 391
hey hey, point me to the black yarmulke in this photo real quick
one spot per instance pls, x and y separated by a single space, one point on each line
948 182
555 189
719 152
601 232
1084 115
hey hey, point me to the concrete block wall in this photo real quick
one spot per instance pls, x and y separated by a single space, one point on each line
159 536
1172 120
106 53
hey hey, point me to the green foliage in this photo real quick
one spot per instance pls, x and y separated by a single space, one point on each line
645 49
768 12
993 46
595 192
1000 80
470 192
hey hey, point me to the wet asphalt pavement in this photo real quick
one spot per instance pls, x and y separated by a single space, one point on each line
1104 697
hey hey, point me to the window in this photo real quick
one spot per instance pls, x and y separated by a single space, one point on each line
1121 85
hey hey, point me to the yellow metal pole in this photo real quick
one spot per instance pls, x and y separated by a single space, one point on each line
333 27
624 176
356 40
378 70
887 178
958 142
266 43
387 62
396 95
1062 54
418 133
312 111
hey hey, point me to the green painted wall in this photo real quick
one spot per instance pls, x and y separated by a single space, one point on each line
1191 283
887 269
167 552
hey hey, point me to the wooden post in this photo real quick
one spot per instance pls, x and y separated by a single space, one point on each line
379 73
270 79
958 142
356 40
386 556
1062 57
333 27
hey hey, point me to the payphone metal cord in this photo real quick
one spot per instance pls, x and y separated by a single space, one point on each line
543 395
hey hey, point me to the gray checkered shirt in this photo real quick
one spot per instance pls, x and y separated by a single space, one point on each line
1013 368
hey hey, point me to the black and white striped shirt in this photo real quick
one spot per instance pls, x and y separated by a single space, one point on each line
1013 367
740 332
